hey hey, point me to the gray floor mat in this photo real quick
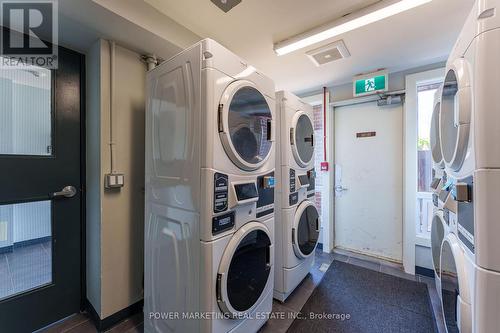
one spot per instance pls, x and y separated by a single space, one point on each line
375 302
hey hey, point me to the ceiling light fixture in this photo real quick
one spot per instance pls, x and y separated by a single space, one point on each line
226 5
366 16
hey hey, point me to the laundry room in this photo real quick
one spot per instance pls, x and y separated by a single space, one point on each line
243 166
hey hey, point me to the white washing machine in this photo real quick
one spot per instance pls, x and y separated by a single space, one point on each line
469 133
297 219
210 162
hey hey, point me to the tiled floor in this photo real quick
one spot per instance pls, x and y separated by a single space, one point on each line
25 268
285 312
80 323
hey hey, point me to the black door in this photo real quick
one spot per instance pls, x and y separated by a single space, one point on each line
40 231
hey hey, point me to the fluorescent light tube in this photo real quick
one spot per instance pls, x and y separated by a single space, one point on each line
374 16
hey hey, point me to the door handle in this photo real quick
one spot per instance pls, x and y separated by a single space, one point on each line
339 188
66 192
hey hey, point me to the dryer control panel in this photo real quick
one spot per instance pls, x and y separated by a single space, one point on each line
221 192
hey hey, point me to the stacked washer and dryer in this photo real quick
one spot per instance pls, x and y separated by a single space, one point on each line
469 125
297 219
439 227
210 163
440 188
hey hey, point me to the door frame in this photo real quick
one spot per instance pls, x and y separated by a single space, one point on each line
363 100
83 179
410 168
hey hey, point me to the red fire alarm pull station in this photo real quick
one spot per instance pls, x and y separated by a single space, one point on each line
324 166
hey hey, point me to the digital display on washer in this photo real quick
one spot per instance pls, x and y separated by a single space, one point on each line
246 191
304 180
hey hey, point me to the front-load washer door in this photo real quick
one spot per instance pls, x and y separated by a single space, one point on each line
456 112
245 125
305 232
438 228
302 139
456 297
245 269
437 155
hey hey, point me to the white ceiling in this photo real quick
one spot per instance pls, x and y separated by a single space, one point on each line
417 37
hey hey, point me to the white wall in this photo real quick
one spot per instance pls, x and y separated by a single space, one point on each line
115 218
423 257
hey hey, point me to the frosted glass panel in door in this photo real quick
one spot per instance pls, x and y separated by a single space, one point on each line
25 247
25 111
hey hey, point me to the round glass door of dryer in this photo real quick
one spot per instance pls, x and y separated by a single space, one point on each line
305 232
456 299
245 125
455 115
302 139
435 140
245 270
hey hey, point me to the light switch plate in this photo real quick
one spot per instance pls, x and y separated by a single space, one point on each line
114 180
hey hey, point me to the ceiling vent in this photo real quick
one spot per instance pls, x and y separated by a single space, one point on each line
226 5
328 53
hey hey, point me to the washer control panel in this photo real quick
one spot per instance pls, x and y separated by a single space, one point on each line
293 181
221 192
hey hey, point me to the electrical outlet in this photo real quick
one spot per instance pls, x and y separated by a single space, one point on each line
114 180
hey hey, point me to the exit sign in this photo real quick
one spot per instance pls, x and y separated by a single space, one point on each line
369 84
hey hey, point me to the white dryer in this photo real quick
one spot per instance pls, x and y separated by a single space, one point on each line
210 162
469 133
297 219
